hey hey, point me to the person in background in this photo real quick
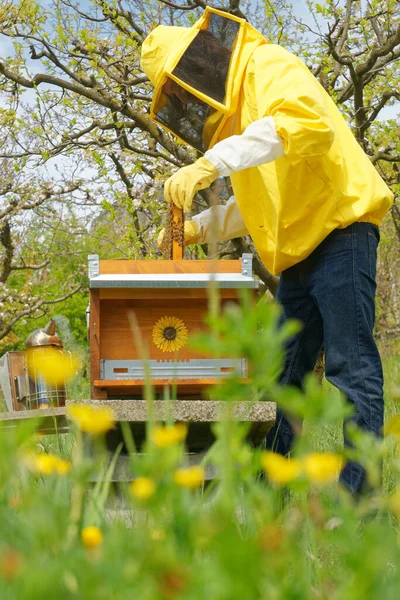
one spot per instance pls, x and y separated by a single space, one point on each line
304 191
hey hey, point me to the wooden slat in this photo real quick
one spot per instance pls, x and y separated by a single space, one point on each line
185 387
164 293
16 370
94 342
126 267
50 420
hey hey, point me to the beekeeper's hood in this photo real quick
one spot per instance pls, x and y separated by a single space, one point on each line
210 66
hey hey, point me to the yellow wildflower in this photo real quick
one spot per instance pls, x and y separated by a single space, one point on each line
47 464
143 488
280 469
392 427
94 421
169 435
396 393
158 535
62 466
91 537
393 502
322 468
190 477
54 366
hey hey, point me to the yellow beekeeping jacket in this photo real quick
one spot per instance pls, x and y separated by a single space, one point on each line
324 180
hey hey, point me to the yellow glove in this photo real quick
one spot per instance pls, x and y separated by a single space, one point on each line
190 233
185 183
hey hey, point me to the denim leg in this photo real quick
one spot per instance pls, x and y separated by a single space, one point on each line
302 350
343 286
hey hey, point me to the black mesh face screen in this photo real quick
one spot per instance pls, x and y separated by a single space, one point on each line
204 66
186 120
225 30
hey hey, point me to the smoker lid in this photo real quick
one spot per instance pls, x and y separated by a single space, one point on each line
44 337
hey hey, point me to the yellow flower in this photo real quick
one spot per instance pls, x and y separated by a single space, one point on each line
143 488
47 464
280 469
396 393
91 537
170 334
94 421
54 366
169 435
322 468
62 466
392 427
393 502
158 535
190 477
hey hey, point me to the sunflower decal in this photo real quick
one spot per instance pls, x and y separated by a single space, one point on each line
170 334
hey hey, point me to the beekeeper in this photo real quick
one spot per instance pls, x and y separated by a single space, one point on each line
304 191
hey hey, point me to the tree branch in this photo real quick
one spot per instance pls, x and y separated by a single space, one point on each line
32 309
6 241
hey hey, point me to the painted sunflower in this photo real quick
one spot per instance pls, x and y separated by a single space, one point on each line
170 334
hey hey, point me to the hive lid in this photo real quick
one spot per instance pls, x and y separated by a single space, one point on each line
169 280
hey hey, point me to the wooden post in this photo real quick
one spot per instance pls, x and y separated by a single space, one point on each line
177 225
94 336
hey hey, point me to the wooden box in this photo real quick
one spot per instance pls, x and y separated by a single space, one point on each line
12 373
142 314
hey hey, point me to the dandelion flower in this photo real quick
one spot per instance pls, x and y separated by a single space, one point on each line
392 426
142 488
91 537
93 421
170 334
393 502
280 469
190 477
47 464
158 535
169 435
322 468
54 366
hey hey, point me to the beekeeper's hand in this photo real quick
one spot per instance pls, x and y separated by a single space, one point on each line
190 233
185 183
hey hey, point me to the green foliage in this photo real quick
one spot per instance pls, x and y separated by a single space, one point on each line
234 537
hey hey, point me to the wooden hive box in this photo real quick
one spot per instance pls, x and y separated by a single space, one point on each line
154 306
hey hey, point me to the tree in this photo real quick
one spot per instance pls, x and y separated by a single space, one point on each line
91 100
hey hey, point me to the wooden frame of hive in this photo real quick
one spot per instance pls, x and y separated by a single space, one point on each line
128 298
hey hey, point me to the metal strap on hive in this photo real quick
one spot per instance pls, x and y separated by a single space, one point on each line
186 280
190 369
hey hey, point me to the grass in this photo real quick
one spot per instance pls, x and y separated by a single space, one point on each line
235 538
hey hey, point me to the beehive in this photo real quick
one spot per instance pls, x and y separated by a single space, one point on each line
142 315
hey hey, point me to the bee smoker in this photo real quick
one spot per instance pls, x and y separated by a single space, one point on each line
26 389
41 394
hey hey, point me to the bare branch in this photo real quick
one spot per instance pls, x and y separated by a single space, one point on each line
33 308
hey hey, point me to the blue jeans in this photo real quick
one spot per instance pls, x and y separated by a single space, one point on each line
332 292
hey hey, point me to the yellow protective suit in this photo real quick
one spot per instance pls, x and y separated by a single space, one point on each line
323 181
